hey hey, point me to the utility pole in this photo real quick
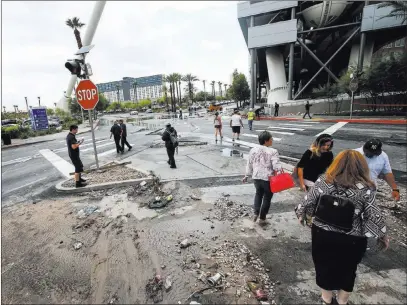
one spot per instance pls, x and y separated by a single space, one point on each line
55 104
39 102
87 40
26 103
204 90
4 109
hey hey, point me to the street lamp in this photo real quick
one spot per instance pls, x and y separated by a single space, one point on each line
26 103
55 104
39 102
4 108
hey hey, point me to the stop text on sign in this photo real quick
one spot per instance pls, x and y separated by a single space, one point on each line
86 94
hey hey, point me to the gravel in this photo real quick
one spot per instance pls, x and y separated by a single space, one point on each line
118 173
226 209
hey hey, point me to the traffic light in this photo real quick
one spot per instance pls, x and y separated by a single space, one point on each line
74 66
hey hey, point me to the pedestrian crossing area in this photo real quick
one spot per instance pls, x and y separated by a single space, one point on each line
105 147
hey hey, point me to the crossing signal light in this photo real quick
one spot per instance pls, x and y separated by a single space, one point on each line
74 66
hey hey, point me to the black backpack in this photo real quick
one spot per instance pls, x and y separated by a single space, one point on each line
173 138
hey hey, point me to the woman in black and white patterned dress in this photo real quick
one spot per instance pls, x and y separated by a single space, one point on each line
336 253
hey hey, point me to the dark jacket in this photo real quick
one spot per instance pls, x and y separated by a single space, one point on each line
166 136
124 130
116 130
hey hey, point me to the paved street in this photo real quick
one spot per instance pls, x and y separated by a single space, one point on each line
26 172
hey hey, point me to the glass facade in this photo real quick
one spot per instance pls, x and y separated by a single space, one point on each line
123 90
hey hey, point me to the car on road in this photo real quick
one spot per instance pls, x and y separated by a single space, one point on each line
134 112
149 111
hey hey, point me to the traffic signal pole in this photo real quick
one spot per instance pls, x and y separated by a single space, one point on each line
87 40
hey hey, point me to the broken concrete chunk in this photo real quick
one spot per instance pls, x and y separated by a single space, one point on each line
77 245
167 284
143 183
195 197
185 243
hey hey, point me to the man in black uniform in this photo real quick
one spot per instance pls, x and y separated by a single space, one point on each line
73 151
276 107
115 131
307 109
169 145
124 136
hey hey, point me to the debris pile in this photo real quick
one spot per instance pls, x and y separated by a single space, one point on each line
226 209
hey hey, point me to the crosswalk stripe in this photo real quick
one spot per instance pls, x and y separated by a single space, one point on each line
297 125
256 136
60 164
108 152
286 128
279 132
331 130
83 145
19 160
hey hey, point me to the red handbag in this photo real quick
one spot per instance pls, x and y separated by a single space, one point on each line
281 182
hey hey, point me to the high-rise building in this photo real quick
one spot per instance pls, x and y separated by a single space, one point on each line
147 87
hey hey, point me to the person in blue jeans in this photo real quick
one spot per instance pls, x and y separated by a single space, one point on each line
262 163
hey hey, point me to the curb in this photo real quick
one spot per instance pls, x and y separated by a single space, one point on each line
24 144
100 186
360 121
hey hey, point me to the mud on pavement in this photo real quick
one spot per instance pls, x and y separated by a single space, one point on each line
110 247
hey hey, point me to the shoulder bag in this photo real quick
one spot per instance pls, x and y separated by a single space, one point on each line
281 182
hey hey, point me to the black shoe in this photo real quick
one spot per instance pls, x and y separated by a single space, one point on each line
130 148
173 166
82 180
123 151
168 162
80 184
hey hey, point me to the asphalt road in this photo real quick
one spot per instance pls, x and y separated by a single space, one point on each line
26 173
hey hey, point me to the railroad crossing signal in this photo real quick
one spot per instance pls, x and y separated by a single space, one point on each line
87 94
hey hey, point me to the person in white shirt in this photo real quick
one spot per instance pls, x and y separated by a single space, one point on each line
236 123
262 163
378 162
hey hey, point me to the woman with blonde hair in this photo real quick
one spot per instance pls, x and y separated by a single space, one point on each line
342 205
315 161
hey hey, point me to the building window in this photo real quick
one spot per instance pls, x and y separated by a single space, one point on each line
388 46
399 43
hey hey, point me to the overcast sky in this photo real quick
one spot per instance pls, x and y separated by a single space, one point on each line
133 39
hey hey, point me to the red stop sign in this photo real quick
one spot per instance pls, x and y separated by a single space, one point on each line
87 94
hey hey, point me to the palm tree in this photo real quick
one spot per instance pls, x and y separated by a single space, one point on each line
226 90
178 78
75 24
213 88
171 79
220 88
190 79
204 81
399 10
135 91
165 89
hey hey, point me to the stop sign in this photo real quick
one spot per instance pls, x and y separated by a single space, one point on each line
87 94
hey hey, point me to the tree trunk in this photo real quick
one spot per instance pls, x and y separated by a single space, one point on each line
180 92
78 38
172 103
177 98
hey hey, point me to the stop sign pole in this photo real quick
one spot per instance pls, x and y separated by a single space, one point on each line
87 96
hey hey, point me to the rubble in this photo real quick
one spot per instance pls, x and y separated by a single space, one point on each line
85 212
77 245
167 284
226 209
185 244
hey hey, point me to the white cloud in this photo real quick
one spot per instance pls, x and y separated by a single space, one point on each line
134 38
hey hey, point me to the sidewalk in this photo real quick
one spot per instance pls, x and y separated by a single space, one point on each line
335 119
83 128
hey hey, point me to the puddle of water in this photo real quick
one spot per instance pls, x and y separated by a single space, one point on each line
117 205
179 211
227 152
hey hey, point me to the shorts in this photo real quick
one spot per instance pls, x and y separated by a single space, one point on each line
218 126
78 165
236 129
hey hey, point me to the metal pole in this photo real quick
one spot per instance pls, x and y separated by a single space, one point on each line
291 64
329 27
329 60
39 101
318 60
87 40
351 105
253 71
26 103
93 139
362 47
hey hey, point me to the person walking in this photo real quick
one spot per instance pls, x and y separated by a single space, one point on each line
342 204
315 161
276 108
73 152
124 136
115 131
307 109
250 118
180 114
263 162
235 124
171 143
379 164
217 121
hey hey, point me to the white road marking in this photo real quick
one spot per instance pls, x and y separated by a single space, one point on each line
19 160
297 125
108 152
87 144
60 164
86 139
25 185
331 130
256 136
97 146
279 132
286 128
